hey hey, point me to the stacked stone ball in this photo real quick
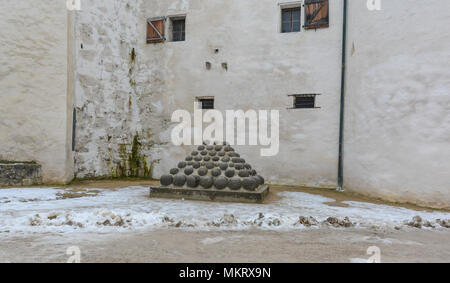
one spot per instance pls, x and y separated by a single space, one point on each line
215 166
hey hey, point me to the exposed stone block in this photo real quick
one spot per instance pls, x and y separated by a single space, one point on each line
20 174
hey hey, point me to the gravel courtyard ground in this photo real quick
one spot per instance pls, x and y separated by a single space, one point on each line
117 222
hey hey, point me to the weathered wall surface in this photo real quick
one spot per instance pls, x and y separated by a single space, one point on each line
33 85
120 97
117 120
397 137
264 67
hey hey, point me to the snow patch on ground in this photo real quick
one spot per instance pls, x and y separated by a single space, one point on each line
38 210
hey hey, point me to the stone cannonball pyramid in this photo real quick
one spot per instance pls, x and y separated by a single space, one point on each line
213 172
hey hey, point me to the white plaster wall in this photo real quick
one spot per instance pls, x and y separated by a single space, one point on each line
264 67
33 85
397 130
113 91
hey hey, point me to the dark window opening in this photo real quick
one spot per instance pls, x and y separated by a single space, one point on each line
178 29
290 20
207 103
305 101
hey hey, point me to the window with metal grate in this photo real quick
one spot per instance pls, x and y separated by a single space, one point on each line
290 19
179 29
304 101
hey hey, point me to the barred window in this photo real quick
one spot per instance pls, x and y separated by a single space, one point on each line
179 29
290 19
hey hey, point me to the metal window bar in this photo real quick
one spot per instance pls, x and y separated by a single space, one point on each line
290 19
304 101
178 30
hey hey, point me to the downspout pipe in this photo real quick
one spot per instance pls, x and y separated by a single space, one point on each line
341 119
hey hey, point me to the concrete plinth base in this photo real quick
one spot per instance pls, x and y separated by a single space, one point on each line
225 195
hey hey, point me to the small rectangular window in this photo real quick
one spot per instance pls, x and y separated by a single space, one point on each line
206 103
179 29
290 19
304 101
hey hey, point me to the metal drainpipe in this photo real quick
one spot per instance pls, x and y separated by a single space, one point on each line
341 126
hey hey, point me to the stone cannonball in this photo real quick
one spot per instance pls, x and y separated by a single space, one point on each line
206 182
230 173
196 165
215 158
210 165
243 173
223 166
204 153
188 171
209 147
236 160
212 153
226 159
202 171
239 166
189 158
235 183
253 172
182 165
220 183
198 158
218 147
247 166
261 180
216 172
234 154
249 184
194 153
190 163
231 165
166 180
227 148
202 147
193 181
174 171
221 153
206 158
179 180
257 181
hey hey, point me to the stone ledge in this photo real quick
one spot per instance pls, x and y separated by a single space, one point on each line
225 195
20 174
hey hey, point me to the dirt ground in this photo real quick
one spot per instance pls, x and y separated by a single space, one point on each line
322 245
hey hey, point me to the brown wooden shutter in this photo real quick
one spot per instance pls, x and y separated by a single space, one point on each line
316 14
155 30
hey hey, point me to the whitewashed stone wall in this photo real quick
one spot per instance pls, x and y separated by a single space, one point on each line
397 137
34 119
117 126
125 90
117 98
